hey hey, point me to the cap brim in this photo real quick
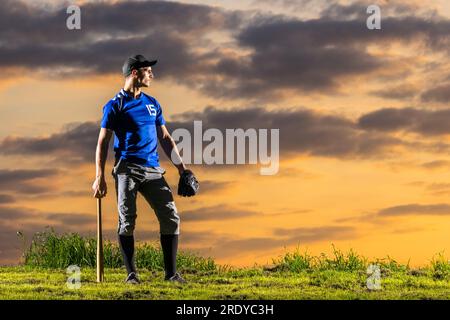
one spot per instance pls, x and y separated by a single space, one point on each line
148 63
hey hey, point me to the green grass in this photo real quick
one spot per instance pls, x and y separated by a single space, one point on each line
295 275
51 250
255 283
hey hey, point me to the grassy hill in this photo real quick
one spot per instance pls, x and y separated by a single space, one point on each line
296 275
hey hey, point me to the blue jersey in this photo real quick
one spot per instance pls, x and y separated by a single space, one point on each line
134 122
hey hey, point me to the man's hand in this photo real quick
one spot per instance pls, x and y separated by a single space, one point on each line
101 153
99 187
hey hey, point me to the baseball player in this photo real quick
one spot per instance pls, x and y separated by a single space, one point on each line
137 121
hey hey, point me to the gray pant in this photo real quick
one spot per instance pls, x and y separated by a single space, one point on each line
131 178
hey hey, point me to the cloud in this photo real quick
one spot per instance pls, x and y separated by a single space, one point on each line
407 230
6 198
75 143
45 42
389 119
14 213
218 212
351 9
400 92
380 216
439 93
17 176
27 182
283 237
11 214
424 122
72 219
209 186
314 234
316 55
415 209
438 189
313 55
302 131
355 9
12 246
29 221
436 164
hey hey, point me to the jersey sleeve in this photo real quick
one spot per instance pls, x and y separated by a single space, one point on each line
160 121
109 119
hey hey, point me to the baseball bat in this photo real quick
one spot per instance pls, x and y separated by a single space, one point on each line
99 242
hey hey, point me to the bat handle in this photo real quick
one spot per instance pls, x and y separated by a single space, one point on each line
99 241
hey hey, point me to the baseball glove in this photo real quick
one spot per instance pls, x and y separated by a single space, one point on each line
188 185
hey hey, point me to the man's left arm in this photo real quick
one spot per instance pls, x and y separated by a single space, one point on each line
170 148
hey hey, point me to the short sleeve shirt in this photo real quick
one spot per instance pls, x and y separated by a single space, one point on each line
134 123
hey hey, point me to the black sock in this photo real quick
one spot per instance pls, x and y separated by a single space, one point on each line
169 244
127 247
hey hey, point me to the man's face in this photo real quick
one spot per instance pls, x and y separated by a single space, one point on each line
144 76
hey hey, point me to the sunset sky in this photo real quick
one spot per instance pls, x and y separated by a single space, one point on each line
363 115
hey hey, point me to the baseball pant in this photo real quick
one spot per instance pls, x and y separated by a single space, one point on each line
131 178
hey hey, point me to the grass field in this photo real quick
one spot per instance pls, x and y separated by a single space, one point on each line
296 275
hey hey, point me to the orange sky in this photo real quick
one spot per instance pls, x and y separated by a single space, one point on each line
319 197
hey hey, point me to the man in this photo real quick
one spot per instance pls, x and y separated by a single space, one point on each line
136 120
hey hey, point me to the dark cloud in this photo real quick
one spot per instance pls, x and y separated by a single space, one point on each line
440 94
17 176
281 54
72 219
397 93
438 186
389 119
218 212
416 209
57 219
23 219
301 131
109 33
76 142
12 245
415 184
80 193
407 230
424 122
194 238
209 186
283 237
15 213
436 164
285 55
314 234
6 198
316 54
353 9
357 9
438 189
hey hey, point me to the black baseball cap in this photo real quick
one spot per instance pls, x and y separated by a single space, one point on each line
136 62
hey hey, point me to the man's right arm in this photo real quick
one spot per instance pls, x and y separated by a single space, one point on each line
101 153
